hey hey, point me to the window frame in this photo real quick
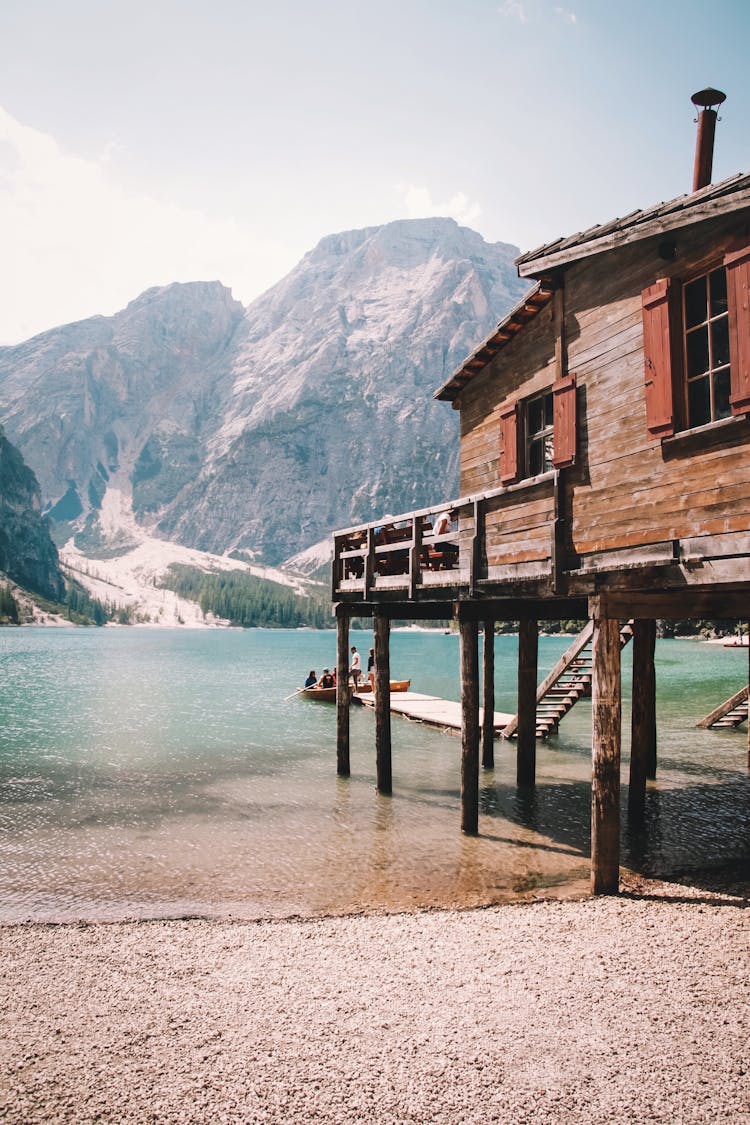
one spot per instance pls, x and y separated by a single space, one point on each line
684 419
664 349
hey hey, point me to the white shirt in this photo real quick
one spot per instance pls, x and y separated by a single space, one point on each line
356 662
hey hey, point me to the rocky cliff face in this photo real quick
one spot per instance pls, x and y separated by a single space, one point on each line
27 553
261 429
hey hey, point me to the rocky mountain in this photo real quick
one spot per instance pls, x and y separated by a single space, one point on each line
27 553
259 430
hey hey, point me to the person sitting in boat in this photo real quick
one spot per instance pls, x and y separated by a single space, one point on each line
326 680
312 679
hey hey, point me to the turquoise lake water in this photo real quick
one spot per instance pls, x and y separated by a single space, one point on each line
151 773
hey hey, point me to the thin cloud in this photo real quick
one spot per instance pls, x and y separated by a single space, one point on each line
515 9
75 244
420 205
568 17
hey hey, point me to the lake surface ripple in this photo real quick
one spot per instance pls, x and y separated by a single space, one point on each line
160 773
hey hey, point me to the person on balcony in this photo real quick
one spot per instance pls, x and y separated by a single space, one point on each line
443 555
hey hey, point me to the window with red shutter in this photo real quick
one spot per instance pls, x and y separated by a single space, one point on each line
564 412
737 266
509 444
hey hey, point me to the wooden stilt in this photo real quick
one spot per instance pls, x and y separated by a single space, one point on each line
382 630
488 696
342 695
643 718
468 638
528 646
605 785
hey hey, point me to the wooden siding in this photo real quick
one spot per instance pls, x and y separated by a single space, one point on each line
629 487
636 489
518 527
528 362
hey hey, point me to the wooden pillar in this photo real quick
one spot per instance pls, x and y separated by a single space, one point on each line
383 767
643 716
748 694
469 646
605 784
488 696
528 647
342 694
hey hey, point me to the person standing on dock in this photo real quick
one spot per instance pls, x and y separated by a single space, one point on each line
371 669
355 670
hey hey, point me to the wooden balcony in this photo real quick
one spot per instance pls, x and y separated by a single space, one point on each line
503 538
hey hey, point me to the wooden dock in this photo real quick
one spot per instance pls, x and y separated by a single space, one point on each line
430 709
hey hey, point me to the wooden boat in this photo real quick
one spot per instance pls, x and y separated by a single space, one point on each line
321 694
396 685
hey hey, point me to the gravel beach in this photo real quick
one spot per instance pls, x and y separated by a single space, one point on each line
623 1009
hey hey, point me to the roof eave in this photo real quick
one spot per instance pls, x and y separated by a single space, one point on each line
539 264
520 315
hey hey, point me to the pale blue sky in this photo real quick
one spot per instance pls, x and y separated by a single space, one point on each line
155 140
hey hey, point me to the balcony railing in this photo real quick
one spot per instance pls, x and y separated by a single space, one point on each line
507 533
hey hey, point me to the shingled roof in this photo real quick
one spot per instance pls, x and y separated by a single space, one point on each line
715 199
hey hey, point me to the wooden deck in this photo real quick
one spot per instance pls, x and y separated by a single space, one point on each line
430 709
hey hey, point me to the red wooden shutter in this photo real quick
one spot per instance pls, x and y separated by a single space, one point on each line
658 359
509 444
564 416
737 263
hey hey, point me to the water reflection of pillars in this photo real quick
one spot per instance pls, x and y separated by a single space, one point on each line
488 695
382 632
606 734
469 646
342 693
528 659
643 717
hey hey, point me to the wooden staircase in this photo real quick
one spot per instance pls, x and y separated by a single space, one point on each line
729 714
569 681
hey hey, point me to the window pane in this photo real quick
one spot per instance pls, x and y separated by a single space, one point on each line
695 302
535 416
697 352
722 408
699 402
718 286
720 342
535 457
548 409
548 452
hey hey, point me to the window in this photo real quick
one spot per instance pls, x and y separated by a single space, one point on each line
696 345
538 434
706 334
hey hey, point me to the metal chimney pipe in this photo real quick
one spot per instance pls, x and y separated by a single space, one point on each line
704 100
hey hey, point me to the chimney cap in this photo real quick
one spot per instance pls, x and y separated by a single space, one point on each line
708 97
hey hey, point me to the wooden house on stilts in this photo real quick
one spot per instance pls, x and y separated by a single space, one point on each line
605 474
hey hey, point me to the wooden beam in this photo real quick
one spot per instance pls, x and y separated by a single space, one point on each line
382 629
468 637
342 694
643 716
488 695
605 784
528 646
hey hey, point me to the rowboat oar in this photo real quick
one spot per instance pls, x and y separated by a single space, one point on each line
299 689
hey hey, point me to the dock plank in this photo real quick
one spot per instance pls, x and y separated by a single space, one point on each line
430 709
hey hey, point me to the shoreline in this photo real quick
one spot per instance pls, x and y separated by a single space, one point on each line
573 1011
